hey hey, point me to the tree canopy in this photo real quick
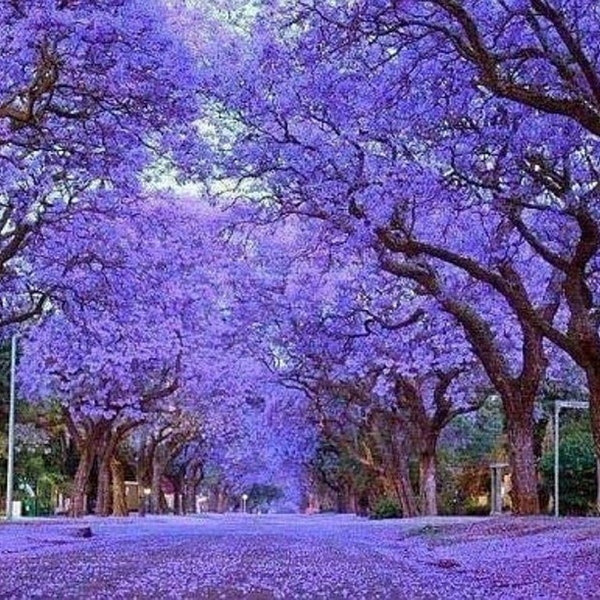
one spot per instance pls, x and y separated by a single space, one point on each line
294 241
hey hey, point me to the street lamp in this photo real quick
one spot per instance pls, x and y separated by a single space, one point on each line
11 430
244 500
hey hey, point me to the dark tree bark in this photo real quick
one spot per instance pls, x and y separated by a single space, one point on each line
116 432
518 392
80 483
193 478
104 492
119 498
86 435
426 428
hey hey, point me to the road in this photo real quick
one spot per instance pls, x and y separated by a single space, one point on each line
304 557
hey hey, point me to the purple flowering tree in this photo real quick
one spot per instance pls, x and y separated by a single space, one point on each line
128 342
456 144
96 97
381 378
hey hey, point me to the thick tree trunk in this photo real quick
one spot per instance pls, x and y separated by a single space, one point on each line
593 381
222 500
396 470
103 494
428 482
119 497
404 488
346 500
155 503
110 444
192 481
84 468
520 428
313 503
178 495
189 499
597 507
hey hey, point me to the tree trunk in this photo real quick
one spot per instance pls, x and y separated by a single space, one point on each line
313 504
346 500
119 497
155 495
189 499
520 426
597 507
110 443
351 504
403 488
593 382
103 494
402 483
178 495
395 470
428 482
192 481
144 472
86 462
221 500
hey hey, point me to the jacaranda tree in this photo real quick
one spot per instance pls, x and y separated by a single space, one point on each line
96 96
454 142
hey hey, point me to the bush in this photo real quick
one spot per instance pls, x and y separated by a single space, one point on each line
386 508
473 509
577 469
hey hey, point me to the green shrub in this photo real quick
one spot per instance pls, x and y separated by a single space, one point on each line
472 508
386 508
577 469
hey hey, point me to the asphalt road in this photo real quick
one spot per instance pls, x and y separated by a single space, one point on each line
309 557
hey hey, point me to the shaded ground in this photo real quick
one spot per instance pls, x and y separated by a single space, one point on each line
263 557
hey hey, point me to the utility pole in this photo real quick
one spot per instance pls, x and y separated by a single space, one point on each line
11 430
556 458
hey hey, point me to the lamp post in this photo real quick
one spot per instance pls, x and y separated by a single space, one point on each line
244 500
11 431
556 457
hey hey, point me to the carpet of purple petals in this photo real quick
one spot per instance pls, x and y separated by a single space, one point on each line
262 557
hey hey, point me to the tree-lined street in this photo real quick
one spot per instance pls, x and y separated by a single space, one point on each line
300 257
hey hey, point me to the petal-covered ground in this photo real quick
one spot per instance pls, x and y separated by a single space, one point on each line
262 557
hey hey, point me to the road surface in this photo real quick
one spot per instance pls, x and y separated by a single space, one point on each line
305 557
